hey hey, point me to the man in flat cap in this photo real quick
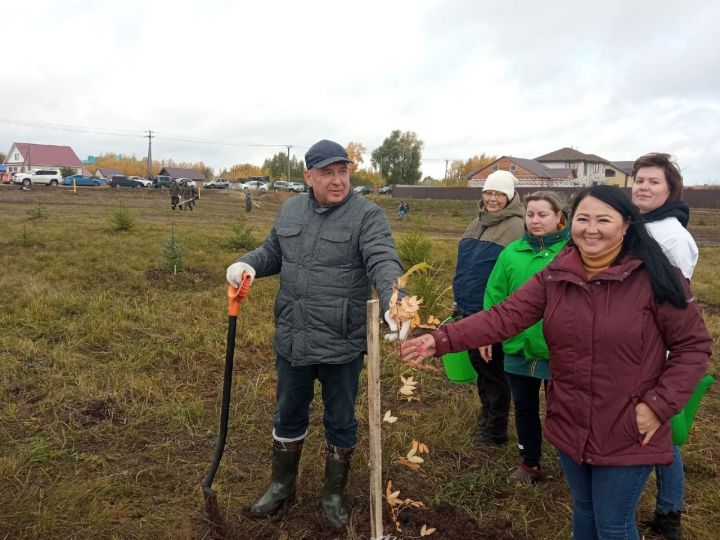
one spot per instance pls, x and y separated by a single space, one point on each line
329 247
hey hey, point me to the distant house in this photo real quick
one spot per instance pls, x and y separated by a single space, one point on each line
566 167
23 157
589 169
530 173
107 172
179 172
620 173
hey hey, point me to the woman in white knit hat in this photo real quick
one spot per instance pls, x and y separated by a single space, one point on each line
500 220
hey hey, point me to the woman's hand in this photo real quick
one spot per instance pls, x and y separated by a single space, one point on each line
414 350
486 353
647 421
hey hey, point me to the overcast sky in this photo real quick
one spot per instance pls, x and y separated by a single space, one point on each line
217 80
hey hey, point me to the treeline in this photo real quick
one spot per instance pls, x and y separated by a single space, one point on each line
396 161
134 166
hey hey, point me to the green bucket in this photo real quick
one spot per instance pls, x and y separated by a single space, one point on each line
457 365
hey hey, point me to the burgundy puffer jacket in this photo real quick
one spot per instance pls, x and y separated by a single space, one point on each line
608 340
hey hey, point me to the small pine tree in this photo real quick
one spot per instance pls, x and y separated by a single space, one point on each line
242 236
171 255
122 219
414 247
25 240
37 212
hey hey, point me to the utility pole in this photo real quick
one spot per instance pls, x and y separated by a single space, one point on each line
446 164
149 162
289 146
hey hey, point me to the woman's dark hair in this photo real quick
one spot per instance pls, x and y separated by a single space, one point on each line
672 172
637 242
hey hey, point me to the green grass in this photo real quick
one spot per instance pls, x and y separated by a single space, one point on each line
111 371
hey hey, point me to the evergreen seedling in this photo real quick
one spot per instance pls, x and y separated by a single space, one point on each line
122 220
171 255
242 237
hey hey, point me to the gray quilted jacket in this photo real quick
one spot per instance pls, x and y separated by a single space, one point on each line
327 258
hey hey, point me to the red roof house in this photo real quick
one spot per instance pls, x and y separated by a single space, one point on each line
26 156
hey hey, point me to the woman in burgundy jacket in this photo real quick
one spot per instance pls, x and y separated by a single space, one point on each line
612 305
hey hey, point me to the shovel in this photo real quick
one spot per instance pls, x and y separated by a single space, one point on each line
235 298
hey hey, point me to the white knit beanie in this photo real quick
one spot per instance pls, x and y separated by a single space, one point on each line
502 181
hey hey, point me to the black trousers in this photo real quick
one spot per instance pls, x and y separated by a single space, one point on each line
494 393
526 398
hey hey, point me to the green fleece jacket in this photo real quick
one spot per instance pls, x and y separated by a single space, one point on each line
517 263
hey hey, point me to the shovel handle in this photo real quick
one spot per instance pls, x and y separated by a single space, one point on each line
237 294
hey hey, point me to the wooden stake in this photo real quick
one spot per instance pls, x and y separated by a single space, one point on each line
374 418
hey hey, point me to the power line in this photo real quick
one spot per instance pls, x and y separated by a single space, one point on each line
134 133
67 127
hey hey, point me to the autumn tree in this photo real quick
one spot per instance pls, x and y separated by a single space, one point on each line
366 177
277 167
398 158
355 152
130 165
242 170
460 170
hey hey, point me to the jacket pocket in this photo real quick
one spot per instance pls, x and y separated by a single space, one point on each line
631 425
333 248
290 242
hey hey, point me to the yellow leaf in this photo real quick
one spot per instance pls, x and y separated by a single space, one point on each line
409 381
415 459
402 280
423 448
389 418
412 452
415 444
426 531
414 466
407 390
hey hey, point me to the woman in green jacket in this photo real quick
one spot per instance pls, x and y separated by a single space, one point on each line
526 354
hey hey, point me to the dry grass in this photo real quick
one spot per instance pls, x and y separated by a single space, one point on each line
110 375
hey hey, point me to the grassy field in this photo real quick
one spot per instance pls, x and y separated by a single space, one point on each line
111 373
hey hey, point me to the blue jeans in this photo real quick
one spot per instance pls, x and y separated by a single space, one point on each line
295 391
605 499
670 480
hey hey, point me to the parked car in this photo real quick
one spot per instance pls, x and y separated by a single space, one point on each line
144 182
217 183
118 180
186 181
256 185
362 190
162 181
50 177
297 187
386 190
281 185
83 180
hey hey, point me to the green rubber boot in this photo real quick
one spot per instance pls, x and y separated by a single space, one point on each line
286 458
337 467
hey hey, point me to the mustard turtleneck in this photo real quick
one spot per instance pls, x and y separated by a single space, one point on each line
594 264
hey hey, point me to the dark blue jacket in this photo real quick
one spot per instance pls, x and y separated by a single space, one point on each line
479 249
